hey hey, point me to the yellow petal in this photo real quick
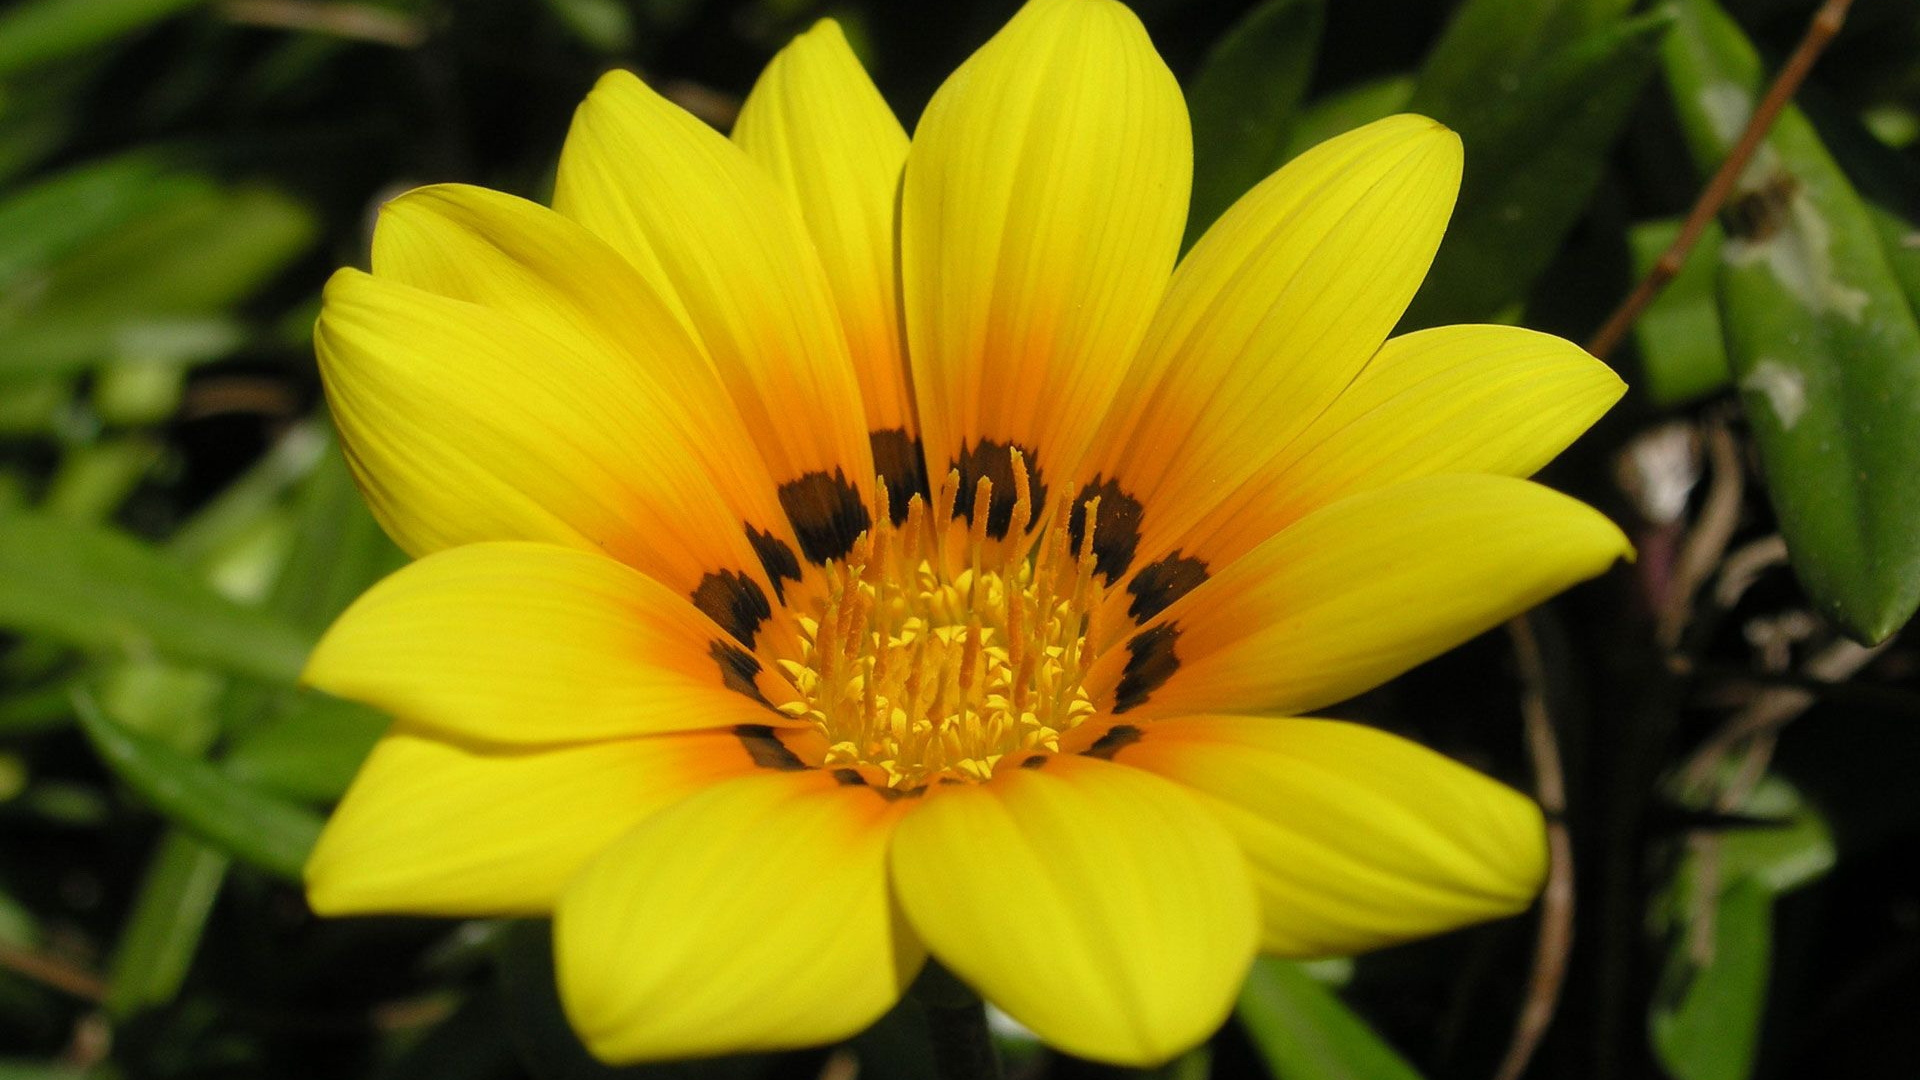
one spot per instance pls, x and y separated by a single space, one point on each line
438 828
1454 399
1099 906
815 121
707 226
1041 212
754 915
1269 317
464 424
1356 838
528 643
520 258
1357 593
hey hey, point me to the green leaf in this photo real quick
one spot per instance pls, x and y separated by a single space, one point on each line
159 939
1780 857
1344 110
1243 101
1304 1031
1706 1017
59 214
242 821
1482 61
95 588
302 745
165 701
309 751
94 479
339 550
157 286
257 493
1821 338
29 136
604 25
42 708
1707 1011
40 31
1682 353
1887 182
1537 136
34 1070
18 926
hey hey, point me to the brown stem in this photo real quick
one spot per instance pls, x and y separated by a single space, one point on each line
1707 542
54 972
1555 940
1821 29
1772 710
357 22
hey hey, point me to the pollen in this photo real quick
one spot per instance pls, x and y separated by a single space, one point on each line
938 652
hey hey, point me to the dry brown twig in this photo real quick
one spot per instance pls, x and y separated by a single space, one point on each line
56 972
1555 940
1708 540
357 22
1744 566
1756 731
1773 709
1826 23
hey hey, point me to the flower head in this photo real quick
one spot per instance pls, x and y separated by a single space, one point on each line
835 550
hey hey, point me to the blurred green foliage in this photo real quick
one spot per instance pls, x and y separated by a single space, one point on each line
176 526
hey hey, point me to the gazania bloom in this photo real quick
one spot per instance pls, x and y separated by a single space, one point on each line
835 551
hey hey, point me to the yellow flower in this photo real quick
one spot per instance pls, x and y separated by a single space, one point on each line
835 551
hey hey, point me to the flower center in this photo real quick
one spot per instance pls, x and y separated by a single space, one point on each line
938 652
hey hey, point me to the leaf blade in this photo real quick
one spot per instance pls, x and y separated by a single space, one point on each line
1243 100
1304 1032
1822 340
96 588
250 825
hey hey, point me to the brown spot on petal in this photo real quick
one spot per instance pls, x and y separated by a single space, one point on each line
994 461
766 749
1117 737
734 601
776 557
1034 761
1150 663
738 669
1116 532
827 514
901 462
1160 583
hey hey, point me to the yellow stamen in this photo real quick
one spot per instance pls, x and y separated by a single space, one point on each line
921 668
